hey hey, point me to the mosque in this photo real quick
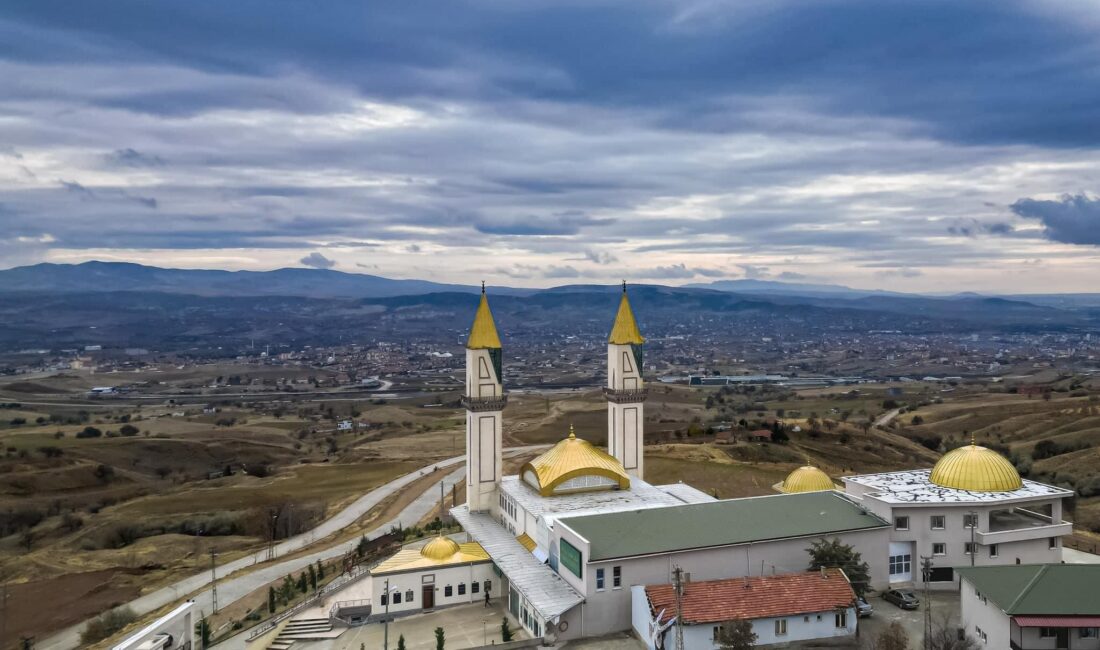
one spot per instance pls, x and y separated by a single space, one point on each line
569 538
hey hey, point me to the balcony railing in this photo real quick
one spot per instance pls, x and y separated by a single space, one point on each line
1023 533
626 396
481 404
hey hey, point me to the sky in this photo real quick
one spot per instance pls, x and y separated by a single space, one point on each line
914 146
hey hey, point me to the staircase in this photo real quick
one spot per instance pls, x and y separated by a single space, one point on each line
304 629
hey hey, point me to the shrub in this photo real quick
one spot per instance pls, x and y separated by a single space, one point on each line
89 432
106 624
128 430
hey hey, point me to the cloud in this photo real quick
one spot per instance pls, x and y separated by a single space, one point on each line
133 158
1072 219
569 223
754 272
317 261
973 228
791 276
599 257
900 272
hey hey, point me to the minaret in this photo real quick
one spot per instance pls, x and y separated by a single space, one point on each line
625 390
484 402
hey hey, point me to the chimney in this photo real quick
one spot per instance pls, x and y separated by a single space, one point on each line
823 576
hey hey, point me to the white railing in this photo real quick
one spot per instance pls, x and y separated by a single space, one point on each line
338 583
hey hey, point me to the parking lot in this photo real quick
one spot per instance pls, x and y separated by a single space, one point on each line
945 610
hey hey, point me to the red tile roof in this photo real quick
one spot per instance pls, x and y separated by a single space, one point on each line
718 601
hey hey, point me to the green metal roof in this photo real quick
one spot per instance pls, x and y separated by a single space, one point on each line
719 523
1039 589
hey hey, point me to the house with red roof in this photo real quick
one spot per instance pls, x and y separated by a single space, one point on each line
782 608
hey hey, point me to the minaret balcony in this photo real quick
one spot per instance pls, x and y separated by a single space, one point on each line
482 404
626 396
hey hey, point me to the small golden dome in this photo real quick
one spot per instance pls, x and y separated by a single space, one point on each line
573 458
806 479
975 469
439 549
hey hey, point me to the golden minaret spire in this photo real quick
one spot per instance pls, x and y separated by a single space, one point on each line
625 330
483 333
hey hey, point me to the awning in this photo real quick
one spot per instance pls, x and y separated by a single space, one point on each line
1057 621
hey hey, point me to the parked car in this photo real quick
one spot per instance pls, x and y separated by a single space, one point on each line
864 608
903 599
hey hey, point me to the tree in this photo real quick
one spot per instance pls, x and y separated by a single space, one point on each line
439 638
945 636
505 630
204 632
361 548
893 637
128 430
303 582
271 600
320 570
400 643
312 578
825 553
736 635
106 624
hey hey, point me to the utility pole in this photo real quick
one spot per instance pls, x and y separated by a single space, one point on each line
926 570
442 504
214 579
274 530
678 586
386 620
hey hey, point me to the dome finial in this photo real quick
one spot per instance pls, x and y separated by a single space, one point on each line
624 286
483 287
973 442
572 434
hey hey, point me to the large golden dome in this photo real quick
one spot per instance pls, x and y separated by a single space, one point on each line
975 469
441 548
574 465
806 479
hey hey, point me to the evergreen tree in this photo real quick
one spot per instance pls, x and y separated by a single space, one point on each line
204 632
825 553
505 630
401 642
439 639
303 582
320 570
312 578
271 600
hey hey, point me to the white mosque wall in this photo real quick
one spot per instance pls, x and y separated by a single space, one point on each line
609 610
411 585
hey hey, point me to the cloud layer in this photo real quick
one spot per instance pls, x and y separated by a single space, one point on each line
925 145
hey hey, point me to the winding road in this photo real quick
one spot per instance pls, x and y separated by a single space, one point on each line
235 587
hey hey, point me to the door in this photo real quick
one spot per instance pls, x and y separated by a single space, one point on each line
901 562
427 597
1062 638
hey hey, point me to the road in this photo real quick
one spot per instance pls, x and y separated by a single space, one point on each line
236 587
887 417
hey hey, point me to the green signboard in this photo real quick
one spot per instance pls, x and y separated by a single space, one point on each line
571 558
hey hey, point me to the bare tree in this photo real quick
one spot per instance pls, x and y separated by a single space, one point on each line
893 637
736 635
946 636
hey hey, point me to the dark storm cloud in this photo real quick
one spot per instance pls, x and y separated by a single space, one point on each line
1073 219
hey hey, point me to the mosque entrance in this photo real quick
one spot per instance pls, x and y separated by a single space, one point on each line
427 597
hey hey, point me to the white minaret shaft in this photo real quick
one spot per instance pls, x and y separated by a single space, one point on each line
484 402
625 391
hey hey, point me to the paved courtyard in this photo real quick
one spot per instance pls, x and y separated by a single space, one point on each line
945 609
465 626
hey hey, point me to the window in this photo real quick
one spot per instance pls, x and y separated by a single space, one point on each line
1088 632
569 556
1053 543
939 548
970 521
901 523
992 550
462 589
599 579
409 596
384 599
715 634
616 577
397 598
1047 633
447 591
842 619
781 627
475 587
969 547
900 564
938 522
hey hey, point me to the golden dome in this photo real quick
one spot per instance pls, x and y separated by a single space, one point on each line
975 469
574 458
441 548
806 479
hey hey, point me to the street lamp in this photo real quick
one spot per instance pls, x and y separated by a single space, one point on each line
386 616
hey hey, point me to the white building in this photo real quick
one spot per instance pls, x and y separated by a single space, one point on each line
781 608
1032 607
441 573
971 509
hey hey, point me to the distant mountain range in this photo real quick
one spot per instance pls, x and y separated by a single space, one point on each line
133 305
